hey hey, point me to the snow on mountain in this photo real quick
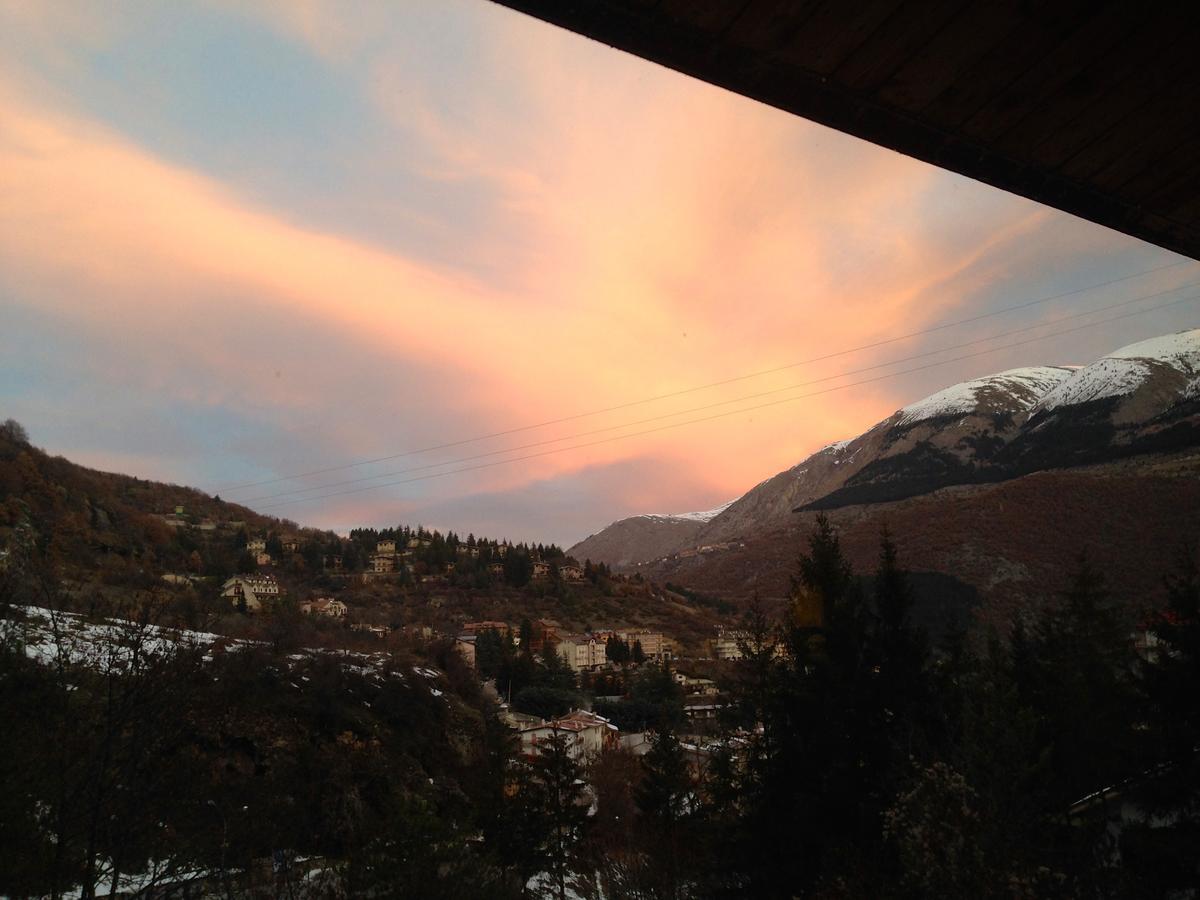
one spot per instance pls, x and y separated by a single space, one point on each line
706 516
836 446
1025 385
1124 371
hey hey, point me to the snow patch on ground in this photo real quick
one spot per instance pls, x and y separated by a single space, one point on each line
109 644
1025 386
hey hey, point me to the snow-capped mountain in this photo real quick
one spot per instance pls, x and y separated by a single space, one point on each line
1142 398
1173 359
1016 388
702 517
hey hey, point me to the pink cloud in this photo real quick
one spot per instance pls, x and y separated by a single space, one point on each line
654 233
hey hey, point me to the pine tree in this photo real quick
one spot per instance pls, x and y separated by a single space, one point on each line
1162 851
665 798
560 777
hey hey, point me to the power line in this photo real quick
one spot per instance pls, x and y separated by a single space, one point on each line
733 412
626 405
708 406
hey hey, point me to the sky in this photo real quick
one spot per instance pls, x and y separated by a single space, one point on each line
241 242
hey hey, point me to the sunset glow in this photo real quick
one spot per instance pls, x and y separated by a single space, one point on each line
236 246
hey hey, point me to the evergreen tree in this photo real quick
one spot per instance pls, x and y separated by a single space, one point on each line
901 657
1162 851
665 798
560 777
637 654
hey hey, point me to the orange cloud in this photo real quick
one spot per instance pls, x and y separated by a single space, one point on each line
669 234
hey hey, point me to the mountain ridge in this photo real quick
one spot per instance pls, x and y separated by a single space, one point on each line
1141 398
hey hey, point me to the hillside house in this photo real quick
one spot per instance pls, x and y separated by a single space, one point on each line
381 564
464 550
256 545
691 685
570 573
653 644
588 734
255 590
262 558
290 545
417 542
728 644
541 571
385 548
582 652
325 606
496 570
702 707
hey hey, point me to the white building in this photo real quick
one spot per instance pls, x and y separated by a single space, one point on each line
582 651
254 589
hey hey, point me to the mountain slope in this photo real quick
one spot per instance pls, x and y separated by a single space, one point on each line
1143 398
996 545
629 541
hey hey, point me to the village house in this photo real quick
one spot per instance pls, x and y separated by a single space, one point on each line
588 734
325 606
541 570
582 651
263 559
728 644
387 547
253 589
545 631
570 573
415 542
290 545
496 570
691 685
256 545
465 550
382 564
652 642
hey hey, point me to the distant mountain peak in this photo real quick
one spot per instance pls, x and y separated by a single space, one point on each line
705 516
1125 370
1021 388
